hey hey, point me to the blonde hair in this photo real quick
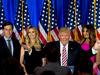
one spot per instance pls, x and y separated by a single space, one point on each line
37 43
64 29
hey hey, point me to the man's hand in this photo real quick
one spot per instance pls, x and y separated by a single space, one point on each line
96 46
26 46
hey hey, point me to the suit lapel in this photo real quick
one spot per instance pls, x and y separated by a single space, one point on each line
58 44
5 46
70 48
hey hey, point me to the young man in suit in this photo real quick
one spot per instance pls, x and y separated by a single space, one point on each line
71 48
9 47
52 58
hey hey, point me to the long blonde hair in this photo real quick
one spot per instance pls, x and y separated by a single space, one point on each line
92 36
37 43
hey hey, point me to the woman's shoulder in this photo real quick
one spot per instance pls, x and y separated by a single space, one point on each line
42 45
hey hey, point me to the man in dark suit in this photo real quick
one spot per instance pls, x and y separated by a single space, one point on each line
52 57
72 48
9 47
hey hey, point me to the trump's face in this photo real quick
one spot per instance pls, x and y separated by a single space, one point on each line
64 37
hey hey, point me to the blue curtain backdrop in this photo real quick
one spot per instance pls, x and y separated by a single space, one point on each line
35 8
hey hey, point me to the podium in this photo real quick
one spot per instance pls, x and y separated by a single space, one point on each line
72 68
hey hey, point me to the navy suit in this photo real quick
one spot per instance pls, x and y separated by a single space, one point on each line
4 51
73 49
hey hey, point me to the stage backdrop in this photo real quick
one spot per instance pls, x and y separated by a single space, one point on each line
49 15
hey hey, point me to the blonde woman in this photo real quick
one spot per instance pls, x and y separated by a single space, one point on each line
32 51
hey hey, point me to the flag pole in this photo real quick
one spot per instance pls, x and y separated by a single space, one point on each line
49 38
76 38
95 19
22 38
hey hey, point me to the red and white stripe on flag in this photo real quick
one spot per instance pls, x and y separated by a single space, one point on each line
45 20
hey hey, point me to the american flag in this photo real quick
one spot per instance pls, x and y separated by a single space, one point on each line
48 23
18 20
91 19
2 17
71 19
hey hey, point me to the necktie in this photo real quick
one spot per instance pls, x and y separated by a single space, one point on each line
64 56
9 45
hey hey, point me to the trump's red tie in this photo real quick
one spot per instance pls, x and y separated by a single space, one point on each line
64 56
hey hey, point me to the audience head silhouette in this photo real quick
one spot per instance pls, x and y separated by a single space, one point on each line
85 67
12 66
82 64
47 72
52 52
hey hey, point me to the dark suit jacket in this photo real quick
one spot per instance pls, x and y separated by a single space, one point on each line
55 67
4 51
73 49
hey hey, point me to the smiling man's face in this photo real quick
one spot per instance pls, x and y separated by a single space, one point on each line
64 37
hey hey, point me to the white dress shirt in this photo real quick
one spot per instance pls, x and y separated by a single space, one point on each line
61 49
